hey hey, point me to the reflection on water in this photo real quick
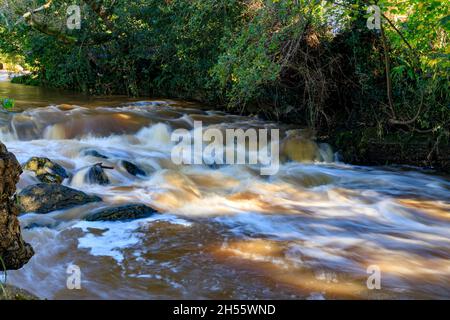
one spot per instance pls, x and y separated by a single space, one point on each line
30 96
309 232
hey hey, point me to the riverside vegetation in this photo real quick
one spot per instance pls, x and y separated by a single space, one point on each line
380 96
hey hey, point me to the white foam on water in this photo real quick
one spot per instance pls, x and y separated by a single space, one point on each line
117 236
316 296
43 268
6 136
157 137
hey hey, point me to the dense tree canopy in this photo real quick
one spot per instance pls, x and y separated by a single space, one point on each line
313 61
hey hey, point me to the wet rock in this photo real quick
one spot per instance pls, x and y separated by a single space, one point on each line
46 170
39 225
97 175
8 292
133 169
44 198
94 153
126 212
215 166
300 149
15 252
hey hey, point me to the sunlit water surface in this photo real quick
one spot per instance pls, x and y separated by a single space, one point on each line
223 232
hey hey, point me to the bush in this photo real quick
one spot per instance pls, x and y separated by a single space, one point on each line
310 62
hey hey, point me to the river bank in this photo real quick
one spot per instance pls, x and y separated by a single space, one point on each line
363 147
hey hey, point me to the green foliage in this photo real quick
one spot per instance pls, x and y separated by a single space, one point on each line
7 103
312 62
420 54
27 79
153 47
273 61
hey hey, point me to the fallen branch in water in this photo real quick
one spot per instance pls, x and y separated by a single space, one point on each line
100 164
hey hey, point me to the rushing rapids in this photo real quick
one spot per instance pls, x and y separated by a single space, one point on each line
310 231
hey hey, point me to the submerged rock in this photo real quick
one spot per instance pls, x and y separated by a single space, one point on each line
15 252
97 175
126 212
44 198
46 170
299 149
94 153
133 169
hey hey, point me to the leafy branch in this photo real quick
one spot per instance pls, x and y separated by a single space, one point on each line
7 103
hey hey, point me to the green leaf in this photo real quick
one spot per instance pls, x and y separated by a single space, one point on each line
445 22
7 103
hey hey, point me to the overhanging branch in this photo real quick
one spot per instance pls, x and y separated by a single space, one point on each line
31 20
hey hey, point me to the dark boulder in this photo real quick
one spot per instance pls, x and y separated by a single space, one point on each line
46 170
44 198
133 169
126 212
15 252
37 225
97 175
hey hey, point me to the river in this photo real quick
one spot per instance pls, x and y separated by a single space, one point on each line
224 232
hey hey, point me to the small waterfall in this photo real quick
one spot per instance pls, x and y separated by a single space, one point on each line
315 219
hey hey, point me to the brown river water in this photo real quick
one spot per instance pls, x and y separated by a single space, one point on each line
223 232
